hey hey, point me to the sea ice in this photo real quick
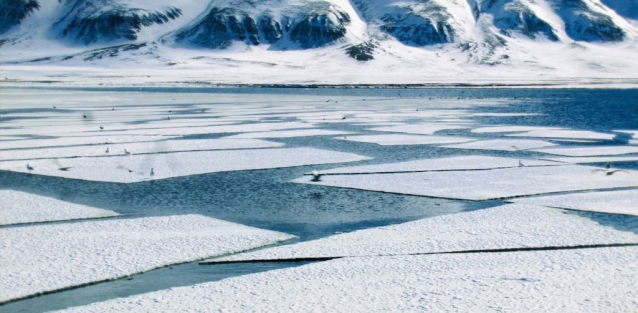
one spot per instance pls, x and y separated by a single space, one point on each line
75 141
401 139
589 280
136 168
615 202
505 227
502 145
20 207
511 129
420 129
45 258
291 133
137 148
590 151
467 162
585 160
486 184
565 133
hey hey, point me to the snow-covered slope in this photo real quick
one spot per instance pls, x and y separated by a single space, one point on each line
308 41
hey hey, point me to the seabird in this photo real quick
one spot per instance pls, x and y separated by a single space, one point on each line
101 127
29 167
152 172
107 150
520 164
608 170
65 169
169 118
316 176
127 152
84 115
54 107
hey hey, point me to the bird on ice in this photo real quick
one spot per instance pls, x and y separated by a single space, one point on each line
316 176
127 152
152 172
65 169
84 115
520 164
29 168
107 150
608 170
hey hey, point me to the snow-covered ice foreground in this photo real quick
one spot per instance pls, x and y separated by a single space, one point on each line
590 280
44 258
512 129
590 151
420 129
458 163
137 148
485 184
502 145
505 227
136 168
565 133
615 202
19 207
291 133
402 139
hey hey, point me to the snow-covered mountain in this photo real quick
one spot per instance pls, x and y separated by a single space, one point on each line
541 37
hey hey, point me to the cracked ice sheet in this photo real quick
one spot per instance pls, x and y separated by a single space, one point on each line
505 227
136 168
585 160
21 207
511 129
615 202
484 185
291 133
46 258
469 162
401 139
137 148
75 141
422 129
565 133
590 151
502 145
215 129
590 280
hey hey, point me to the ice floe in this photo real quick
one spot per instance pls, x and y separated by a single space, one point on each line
401 139
590 151
565 133
420 129
469 162
633 133
485 184
511 129
136 168
137 148
291 133
616 202
585 160
44 258
505 227
502 145
590 280
20 207
75 141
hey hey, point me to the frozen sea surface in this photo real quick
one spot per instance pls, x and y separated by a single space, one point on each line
265 198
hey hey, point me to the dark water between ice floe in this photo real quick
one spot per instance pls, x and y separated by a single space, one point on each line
266 199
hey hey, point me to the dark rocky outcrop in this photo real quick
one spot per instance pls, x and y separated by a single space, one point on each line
584 23
90 21
514 17
12 12
362 52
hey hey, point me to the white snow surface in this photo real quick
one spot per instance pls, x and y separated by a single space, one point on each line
504 227
502 145
401 139
565 133
20 207
136 168
77 141
486 184
422 129
470 162
291 133
590 151
615 202
137 148
585 160
510 129
46 258
591 280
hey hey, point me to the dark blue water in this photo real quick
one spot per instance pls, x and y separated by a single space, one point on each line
267 199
